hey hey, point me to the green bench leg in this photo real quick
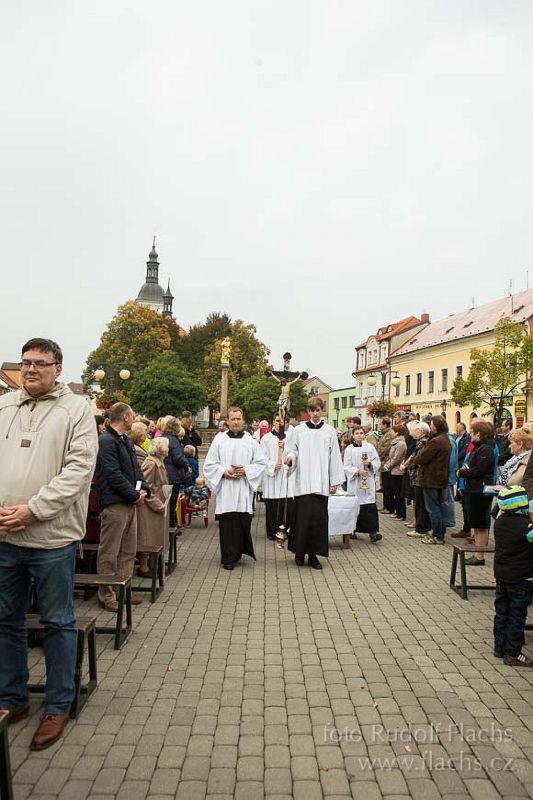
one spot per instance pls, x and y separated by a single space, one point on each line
6 785
464 582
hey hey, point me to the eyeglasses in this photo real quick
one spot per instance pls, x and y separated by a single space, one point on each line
26 363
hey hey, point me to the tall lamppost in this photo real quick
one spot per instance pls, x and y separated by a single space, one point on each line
444 406
224 363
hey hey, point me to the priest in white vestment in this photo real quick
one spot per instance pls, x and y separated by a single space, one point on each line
278 481
315 457
232 469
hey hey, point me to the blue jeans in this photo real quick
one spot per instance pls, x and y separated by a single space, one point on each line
449 506
435 500
53 574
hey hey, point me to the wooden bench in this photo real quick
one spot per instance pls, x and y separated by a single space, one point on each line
6 783
122 587
460 550
157 567
86 629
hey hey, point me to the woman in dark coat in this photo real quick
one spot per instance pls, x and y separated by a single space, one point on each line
477 473
175 463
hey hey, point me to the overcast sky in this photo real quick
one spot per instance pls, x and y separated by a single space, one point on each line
317 167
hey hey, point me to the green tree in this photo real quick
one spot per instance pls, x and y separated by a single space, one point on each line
134 337
165 387
258 397
497 373
248 358
193 348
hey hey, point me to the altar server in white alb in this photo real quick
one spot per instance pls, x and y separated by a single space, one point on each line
316 459
278 482
361 465
232 469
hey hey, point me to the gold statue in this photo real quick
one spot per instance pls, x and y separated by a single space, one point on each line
226 350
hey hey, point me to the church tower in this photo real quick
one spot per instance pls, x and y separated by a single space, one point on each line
168 297
151 293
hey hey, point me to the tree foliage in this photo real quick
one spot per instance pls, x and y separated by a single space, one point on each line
258 397
496 374
248 358
381 408
165 387
193 348
135 336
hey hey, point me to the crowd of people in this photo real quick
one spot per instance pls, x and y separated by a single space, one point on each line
55 452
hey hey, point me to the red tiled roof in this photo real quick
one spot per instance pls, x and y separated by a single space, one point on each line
397 327
8 380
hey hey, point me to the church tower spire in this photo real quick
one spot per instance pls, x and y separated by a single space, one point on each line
168 297
152 265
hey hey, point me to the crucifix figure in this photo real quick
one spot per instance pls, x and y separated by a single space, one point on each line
285 378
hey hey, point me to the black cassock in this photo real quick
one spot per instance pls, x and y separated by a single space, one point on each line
309 532
235 530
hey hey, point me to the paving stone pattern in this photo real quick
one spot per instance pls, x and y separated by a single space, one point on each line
369 679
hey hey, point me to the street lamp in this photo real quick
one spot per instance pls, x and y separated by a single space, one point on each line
396 380
372 381
444 406
100 373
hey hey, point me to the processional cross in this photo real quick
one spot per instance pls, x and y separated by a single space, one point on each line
285 378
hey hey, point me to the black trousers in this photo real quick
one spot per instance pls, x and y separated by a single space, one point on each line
398 495
388 493
422 520
172 505
510 606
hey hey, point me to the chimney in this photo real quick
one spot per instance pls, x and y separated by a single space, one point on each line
424 317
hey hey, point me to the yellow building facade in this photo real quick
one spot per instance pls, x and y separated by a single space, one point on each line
428 364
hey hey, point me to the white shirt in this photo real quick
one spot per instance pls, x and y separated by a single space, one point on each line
316 459
234 494
353 463
277 483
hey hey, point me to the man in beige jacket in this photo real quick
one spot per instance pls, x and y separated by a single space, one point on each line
48 452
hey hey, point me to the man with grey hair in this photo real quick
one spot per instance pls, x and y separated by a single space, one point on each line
121 488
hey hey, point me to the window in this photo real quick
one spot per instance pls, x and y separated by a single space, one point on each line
396 391
407 384
444 380
344 402
383 352
314 390
419 383
361 389
431 381
336 403
352 400
459 371
361 358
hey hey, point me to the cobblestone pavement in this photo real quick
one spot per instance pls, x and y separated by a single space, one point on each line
369 679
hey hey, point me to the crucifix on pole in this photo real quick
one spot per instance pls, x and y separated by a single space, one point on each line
285 378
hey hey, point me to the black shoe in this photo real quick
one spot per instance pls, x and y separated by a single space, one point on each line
300 561
228 566
314 563
353 535
475 562
518 661
498 653
375 537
